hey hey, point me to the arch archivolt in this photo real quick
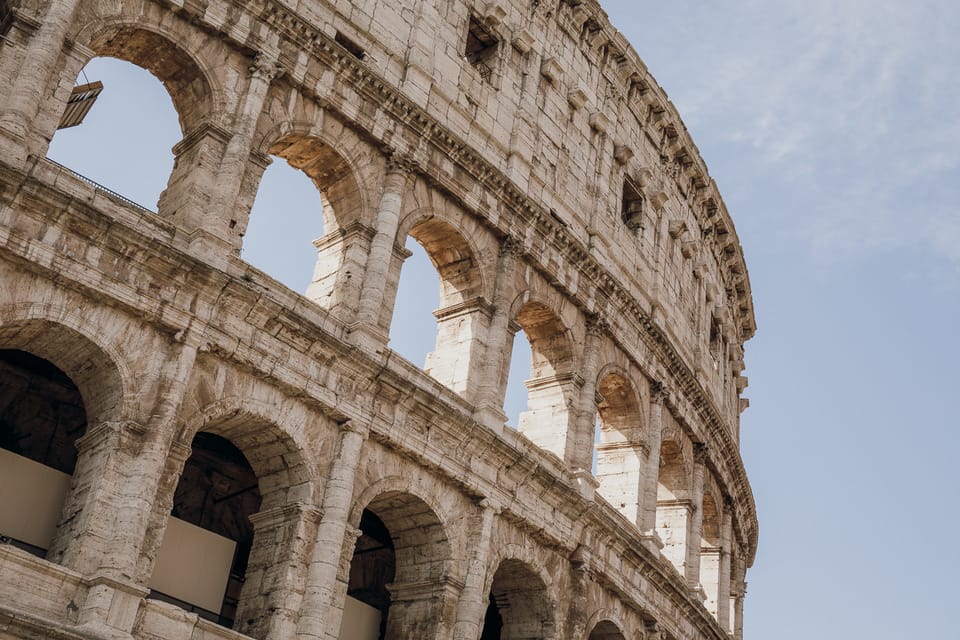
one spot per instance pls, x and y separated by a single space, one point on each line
295 441
73 334
194 68
524 591
607 622
509 544
346 168
388 472
461 249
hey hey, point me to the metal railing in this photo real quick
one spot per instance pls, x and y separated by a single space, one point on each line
110 193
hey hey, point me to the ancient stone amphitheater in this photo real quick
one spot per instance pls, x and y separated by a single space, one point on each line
190 450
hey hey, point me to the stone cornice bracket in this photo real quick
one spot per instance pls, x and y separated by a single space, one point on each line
653 630
265 66
580 558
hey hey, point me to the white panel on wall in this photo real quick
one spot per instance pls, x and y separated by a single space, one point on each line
31 499
193 565
360 621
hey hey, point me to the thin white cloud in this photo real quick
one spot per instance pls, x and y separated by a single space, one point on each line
851 109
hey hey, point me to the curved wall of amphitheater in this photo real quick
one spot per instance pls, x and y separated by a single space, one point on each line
154 382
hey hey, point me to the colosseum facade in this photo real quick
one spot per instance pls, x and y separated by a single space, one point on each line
190 450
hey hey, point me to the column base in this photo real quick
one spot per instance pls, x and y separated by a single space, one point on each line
586 483
111 606
368 338
13 146
491 417
213 250
651 540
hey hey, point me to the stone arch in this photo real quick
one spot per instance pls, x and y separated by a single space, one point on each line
192 86
95 366
272 512
553 385
520 607
192 71
463 316
403 560
51 356
606 629
271 448
620 454
454 255
346 172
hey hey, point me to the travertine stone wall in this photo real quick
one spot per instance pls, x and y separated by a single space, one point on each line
555 190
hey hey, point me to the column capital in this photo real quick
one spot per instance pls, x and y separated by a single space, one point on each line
700 452
489 504
597 325
511 246
657 392
265 66
352 426
398 162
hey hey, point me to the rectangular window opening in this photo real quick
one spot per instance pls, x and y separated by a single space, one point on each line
352 47
481 49
632 207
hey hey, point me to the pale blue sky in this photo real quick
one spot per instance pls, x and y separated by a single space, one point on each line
832 130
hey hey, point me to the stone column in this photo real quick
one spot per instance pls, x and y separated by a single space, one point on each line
50 110
461 336
723 588
370 325
692 563
489 410
29 85
318 600
472 604
648 515
272 593
738 611
225 219
578 451
576 622
103 531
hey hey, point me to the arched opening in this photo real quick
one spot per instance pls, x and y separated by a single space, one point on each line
341 245
461 315
244 497
710 552
285 221
673 504
520 358
57 387
41 416
114 146
551 387
397 585
619 451
217 493
606 630
413 327
518 608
